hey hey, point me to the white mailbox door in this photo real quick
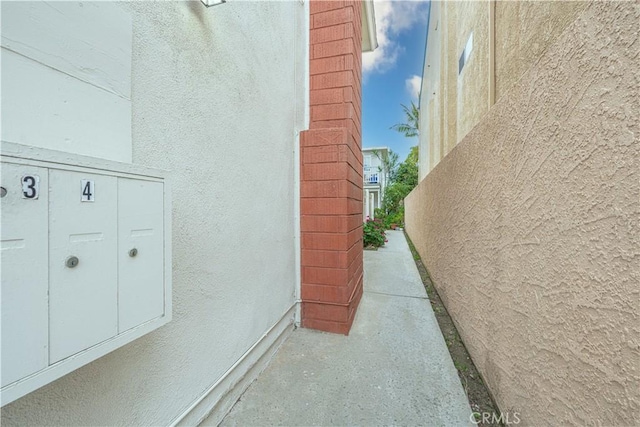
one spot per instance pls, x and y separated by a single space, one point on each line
140 252
83 297
24 247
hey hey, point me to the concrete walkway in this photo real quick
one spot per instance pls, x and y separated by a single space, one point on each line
393 368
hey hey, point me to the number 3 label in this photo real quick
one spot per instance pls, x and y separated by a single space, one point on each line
88 191
30 186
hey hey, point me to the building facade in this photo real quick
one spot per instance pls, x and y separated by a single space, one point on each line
217 99
376 176
530 186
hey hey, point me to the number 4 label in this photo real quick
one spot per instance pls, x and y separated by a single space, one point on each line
88 191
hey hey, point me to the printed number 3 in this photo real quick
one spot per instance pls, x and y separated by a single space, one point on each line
30 184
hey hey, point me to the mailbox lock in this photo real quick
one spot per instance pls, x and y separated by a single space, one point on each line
133 252
72 261
3 191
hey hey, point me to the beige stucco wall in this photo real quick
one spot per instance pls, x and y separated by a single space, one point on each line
452 102
530 230
430 86
524 29
472 17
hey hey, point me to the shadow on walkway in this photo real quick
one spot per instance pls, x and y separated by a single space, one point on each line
393 368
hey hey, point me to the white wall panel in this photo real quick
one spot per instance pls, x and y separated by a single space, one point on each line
88 40
49 109
66 77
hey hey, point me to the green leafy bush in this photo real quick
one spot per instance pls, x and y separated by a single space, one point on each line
397 217
373 233
401 182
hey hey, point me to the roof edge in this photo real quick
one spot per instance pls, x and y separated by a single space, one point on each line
369 35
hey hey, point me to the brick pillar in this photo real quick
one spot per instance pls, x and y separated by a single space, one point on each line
331 170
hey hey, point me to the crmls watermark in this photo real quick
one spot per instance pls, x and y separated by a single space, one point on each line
506 418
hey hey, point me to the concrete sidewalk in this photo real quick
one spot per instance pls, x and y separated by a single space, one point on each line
393 369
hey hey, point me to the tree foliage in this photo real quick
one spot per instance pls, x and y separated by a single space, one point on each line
411 127
407 172
405 178
389 160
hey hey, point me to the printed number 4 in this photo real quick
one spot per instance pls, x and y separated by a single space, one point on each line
88 191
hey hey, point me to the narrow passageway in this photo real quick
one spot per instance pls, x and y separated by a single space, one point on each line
393 368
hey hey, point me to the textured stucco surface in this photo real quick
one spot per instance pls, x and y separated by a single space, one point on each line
214 101
429 87
530 230
452 102
472 17
524 29
450 84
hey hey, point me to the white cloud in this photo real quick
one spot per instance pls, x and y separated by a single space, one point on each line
392 18
413 85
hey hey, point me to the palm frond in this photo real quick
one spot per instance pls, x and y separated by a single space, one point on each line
410 129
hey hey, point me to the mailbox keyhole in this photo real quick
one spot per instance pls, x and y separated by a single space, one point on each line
72 261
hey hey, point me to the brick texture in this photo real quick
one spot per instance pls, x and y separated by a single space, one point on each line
331 170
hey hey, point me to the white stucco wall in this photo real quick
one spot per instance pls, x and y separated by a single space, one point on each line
214 100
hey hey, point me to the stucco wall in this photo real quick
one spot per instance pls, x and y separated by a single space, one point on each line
524 29
453 102
449 76
529 228
430 81
214 101
473 82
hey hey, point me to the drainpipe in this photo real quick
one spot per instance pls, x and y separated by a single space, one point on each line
297 179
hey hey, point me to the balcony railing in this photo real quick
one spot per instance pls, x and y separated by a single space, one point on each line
371 175
371 178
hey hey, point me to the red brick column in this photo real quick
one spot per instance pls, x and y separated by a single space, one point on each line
331 170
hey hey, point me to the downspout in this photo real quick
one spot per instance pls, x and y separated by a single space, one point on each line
297 218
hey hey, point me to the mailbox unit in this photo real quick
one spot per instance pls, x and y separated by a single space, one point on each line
86 261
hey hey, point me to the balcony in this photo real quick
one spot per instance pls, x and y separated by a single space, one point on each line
371 178
371 175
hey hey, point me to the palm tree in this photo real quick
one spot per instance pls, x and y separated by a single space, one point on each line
389 161
410 128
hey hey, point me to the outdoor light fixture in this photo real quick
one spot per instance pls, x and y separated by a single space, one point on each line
210 3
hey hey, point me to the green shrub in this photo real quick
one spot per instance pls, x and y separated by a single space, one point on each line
373 233
379 213
397 218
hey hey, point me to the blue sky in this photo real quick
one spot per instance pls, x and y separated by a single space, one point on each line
392 73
